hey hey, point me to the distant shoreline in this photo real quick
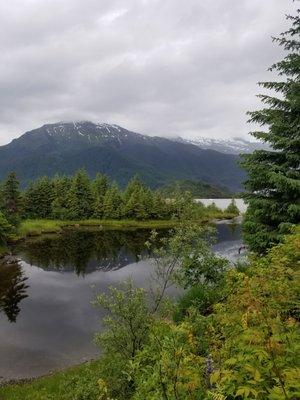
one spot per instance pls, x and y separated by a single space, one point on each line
31 228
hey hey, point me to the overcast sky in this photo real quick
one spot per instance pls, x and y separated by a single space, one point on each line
160 67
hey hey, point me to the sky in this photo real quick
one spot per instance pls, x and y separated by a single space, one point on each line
166 68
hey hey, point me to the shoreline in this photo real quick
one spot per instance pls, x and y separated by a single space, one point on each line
10 382
38 227
34 228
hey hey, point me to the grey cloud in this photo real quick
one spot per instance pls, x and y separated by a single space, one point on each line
162 68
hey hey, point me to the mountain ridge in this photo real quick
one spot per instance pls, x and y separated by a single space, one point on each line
67 146
235 145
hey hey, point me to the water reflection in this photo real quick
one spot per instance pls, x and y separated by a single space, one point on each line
12 289
84 251
57 322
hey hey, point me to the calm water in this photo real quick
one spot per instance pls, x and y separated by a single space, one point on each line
46 318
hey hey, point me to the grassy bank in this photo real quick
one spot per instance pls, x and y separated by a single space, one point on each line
43 226
70 384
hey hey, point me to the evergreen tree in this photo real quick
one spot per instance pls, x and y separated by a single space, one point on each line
100 185
59 206
159 206
273 186
232 208
182 205
38 198
138 200
99 188
146 203
112 203
11 199
5 229
134 185
139 204
80 198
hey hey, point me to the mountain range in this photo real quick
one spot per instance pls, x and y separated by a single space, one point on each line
228 146
67 146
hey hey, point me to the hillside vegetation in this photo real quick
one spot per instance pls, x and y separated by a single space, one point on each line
197 189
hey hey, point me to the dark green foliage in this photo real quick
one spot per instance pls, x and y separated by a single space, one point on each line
80 197
183 207
100 186
11 202
12 289
112 203
198 189
273 187
138 201
59 206
213 208
232 208
200 297
38 198
159 206
5 229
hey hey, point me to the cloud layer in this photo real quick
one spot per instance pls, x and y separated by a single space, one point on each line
157 67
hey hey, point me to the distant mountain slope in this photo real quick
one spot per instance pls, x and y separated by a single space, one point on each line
226 146
66 147
198 190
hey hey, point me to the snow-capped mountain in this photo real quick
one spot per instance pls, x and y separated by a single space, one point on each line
227 146
65 147
78 133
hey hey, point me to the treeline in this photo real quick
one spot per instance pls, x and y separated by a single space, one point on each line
78 197
198 189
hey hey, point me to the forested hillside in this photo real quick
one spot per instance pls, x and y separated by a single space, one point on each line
66 147
196 189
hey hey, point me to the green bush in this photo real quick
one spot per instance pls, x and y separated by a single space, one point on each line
5 229
232 208
200 297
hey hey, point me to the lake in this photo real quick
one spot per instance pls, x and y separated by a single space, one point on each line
47 321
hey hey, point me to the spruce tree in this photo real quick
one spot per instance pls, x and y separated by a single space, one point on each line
11 199
5 229
134 185
232 208
59 206
80 198
159 206
139 204
38 198
100 186
112 203
273 185
138 200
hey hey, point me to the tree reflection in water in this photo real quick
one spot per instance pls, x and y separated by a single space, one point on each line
86 250
12 289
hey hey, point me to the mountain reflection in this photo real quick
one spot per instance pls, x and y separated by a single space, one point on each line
12 289
84 251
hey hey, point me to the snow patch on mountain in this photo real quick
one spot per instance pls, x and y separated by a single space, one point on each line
228 146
